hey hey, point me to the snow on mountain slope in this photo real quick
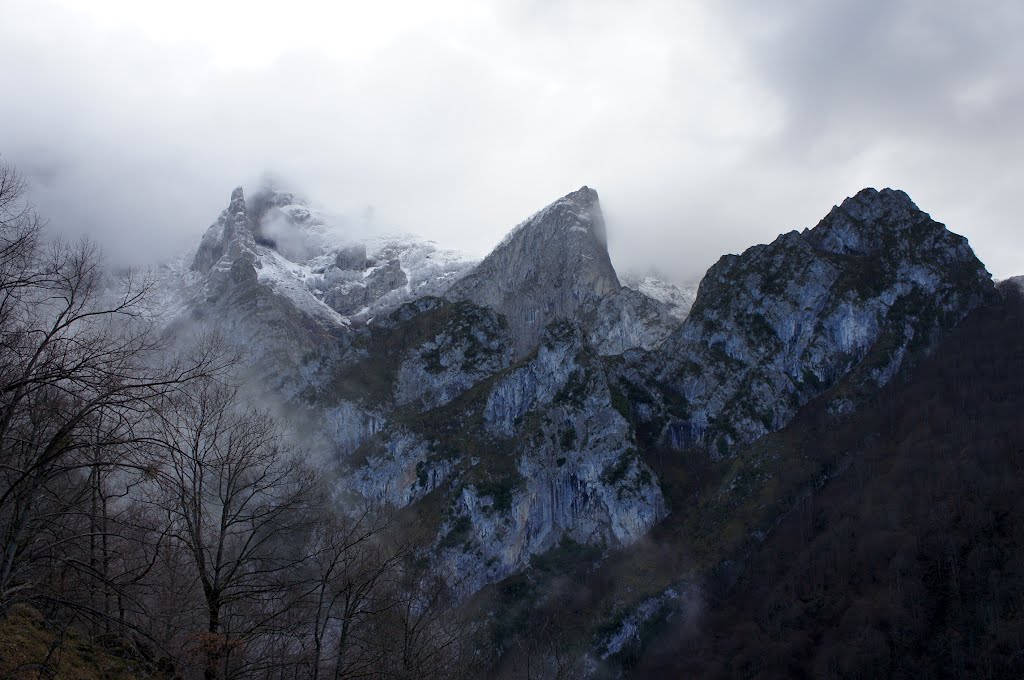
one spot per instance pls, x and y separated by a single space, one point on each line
310 258
341 279
677 299
289 279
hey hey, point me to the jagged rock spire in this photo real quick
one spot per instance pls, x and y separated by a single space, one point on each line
235 225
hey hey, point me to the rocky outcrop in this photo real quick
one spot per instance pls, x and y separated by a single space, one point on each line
777 325
400 473
535 455
576 474
547 268
472 345
518 457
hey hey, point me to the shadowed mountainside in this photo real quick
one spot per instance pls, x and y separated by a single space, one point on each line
906 561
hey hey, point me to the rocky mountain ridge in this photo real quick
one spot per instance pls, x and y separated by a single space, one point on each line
517 404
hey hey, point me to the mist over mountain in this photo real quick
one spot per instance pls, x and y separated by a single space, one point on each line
706 127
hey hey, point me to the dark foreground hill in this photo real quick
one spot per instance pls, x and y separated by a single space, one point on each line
907 561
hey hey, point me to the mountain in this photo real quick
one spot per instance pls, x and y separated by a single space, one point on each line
550 426
305 255
678 299
780 323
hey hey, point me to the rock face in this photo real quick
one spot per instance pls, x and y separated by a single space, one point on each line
547 268
625 319
472 346
777 325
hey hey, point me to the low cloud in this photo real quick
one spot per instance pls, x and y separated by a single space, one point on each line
706 127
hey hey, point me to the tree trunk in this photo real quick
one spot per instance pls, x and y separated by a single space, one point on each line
213 642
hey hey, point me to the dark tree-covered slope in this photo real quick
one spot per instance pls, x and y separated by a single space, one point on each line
906 562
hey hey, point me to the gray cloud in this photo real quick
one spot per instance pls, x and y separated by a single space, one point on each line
706 127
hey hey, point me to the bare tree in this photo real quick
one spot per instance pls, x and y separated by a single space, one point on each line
237 501
424 631
353 563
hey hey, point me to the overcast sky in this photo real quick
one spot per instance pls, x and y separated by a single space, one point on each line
706 127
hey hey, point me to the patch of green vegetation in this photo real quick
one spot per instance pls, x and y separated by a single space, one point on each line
381 348
810 378
514 600
862 276
722 360
644 478
458 533
568 438
620 402
501 490
576 388
763 335
616 471
566 557
432 360
30 648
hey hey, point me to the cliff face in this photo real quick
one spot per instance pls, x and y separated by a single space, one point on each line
525 458
547 268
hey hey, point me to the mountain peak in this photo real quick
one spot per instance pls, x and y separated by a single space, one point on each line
546 268
584 196
870 204
874 280
873 221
